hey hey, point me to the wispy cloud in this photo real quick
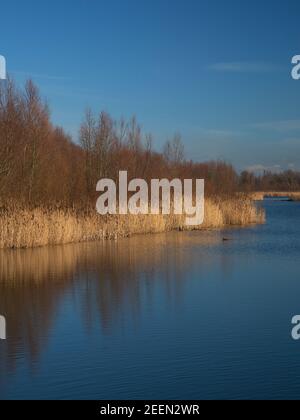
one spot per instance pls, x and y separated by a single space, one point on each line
260 169
244 67
220 133
38 76
280 126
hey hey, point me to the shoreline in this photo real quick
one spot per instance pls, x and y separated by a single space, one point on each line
261 195
23 228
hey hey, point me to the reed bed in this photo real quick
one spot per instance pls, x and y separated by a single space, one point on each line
23 228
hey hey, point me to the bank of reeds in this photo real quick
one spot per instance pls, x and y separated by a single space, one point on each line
21 228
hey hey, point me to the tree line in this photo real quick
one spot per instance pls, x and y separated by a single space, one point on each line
285 181
40 164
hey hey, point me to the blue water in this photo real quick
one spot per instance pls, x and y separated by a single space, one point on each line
175 316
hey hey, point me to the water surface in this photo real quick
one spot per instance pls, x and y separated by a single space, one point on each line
173 316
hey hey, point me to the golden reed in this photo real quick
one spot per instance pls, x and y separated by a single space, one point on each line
21 228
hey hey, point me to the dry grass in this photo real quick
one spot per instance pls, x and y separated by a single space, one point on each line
294 196
21 228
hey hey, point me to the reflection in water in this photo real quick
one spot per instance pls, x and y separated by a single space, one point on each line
110 280
174 316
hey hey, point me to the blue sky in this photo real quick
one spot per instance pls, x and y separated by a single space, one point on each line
218 72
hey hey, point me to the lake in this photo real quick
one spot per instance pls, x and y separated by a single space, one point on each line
172 316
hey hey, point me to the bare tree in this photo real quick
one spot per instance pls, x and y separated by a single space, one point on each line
104 142
36 124
87 138
174 151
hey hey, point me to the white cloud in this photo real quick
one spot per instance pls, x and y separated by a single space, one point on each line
283 125
277 169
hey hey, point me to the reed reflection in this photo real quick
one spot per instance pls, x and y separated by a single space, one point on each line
108 281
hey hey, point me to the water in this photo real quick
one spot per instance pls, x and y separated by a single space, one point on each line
175 316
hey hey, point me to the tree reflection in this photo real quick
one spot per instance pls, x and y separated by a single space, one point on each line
110 282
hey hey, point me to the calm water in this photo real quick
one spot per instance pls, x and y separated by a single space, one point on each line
177 316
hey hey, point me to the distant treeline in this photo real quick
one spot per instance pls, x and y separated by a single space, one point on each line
41 164
287 181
